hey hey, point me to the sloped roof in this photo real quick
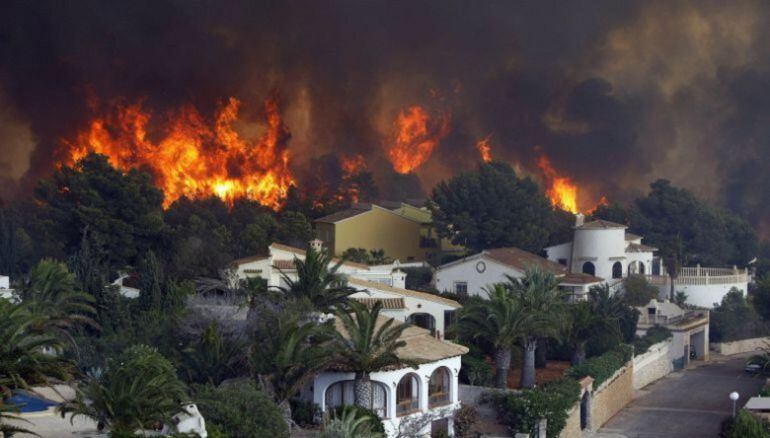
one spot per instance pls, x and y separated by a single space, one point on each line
301 252
522 260
405 292
579 278
599 224
249 259
632 236
337 216
420 346
387 303
638 247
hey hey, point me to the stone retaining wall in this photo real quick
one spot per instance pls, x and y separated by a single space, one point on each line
742 346
606 401
652 365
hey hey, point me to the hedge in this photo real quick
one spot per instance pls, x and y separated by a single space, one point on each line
654 335
521 412
602 367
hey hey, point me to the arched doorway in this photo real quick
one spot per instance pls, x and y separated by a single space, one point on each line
589 268
617 270
408 395
585 411
439 387
342 394
641 268
424 320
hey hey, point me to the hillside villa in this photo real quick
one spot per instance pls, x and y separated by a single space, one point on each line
385 283
402 230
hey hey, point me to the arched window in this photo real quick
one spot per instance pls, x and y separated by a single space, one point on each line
641 268
588 268
424 320
617 270
408 395
439 387
343 393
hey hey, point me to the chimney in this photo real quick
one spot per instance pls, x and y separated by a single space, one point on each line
579 219
398 279
317 245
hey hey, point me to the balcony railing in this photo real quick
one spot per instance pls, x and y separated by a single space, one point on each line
408 406
689 315
438 399
698 276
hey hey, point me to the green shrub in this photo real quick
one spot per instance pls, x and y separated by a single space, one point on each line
654 335
602 367
375 421
241 411
464 419
745 425
521 412
475 371
304 413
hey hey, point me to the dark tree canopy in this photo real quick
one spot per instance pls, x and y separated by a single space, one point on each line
492 207
686 229
120 211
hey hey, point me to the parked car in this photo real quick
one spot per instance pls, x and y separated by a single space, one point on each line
753 368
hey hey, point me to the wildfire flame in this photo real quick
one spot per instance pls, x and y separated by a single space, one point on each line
352 164
562 191
484 149
191 158
415 136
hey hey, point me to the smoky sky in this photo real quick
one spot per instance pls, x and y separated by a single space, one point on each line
617 94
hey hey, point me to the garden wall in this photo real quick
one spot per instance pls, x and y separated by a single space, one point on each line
742 346
606 401
653 364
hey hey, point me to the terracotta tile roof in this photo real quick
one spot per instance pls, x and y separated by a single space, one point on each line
632 236
600 224
404 292
579 278
284 265
337 216
522 260
301 252
387 303
638 247
420 347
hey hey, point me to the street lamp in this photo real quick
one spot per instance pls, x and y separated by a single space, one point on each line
734 397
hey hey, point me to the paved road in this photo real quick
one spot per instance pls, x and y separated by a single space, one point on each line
690 403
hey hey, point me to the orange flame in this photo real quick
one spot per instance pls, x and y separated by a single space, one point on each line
352 164
562 191
415 137
192 159
484 149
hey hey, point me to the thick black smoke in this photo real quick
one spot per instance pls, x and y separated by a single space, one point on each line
616 93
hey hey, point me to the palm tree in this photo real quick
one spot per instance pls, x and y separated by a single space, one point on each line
365 344
500 321
214 357
540 297
349 425
51 292
585 323
318 281
139 390
286 353
22 361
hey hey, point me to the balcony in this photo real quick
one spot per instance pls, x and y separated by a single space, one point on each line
698 276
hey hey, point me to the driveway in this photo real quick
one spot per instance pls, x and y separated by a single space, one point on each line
690 403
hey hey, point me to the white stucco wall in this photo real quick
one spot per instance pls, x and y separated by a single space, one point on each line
602 247
708 294
465 271
562 251
390 379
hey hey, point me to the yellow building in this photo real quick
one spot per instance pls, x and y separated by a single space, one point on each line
403 231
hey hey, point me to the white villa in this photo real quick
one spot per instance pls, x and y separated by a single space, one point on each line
689 329
411 401
470 275
605 249
5 289
385 283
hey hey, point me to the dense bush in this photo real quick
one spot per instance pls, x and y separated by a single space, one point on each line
475 371
654 335
464 419
241 411
745 425
304 413
602 367
735 319
522 411
374 420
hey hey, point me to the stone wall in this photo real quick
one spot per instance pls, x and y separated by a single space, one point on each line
606 401
653 364
742 346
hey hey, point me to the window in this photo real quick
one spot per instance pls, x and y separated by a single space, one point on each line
424 320
438 388
343 393
588 268
617 270
461 288
407 395
641 268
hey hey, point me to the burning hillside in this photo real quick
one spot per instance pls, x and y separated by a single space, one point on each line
193 157
415 135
